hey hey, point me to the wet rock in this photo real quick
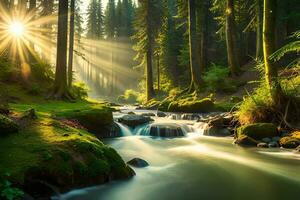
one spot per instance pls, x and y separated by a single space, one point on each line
266 140
289 142
148 114
258 131
275 139
297 150
131 113
216 131
273 144
166 130
292 141
262 145
190 117
138 162
246 141
161 114
134 120
7 126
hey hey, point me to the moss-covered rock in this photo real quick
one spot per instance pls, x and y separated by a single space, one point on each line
134 120
192 106
258 131
7 126
292 141
97 121
46 153
246 141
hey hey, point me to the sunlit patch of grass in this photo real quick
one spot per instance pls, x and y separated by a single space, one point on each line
255 107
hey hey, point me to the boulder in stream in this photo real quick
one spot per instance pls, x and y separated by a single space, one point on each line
262 145
134 120
216 131
246 141
138 162
166 130
258 131
161 114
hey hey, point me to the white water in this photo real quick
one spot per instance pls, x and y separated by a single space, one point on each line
198 167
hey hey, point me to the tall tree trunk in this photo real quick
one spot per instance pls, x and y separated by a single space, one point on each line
202 23
271 72
231 37
71 44
158 73
259 33
149 72
194 56
60 83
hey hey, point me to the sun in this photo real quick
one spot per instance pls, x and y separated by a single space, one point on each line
17 29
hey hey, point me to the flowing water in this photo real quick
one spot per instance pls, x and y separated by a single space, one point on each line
197 167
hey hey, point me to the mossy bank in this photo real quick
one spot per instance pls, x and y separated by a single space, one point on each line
53 151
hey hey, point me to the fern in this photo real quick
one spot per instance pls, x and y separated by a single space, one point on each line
293 47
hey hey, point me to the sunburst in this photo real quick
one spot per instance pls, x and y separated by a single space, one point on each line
23 36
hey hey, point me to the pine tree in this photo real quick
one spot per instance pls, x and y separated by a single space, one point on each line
100 20
170 42
110 19
194 56
147 25
71 43
231 38
92 24
78 21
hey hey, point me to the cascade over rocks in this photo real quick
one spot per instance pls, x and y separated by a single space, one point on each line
166 130
220 126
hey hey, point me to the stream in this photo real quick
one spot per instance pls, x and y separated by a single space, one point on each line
196 167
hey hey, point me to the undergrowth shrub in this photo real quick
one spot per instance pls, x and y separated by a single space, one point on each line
79 90
129 96
7 191
216 80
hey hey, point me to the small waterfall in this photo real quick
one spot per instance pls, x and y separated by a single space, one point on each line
125 130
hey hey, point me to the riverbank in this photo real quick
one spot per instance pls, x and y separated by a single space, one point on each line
50 151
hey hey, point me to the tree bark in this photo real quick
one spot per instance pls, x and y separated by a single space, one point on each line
158 73
271 71
231 37
60 83
202 13
193 42
259 33
71 44
149 72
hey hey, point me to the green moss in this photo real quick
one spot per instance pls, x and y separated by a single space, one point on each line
258 131
49 146
190 105
7 126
